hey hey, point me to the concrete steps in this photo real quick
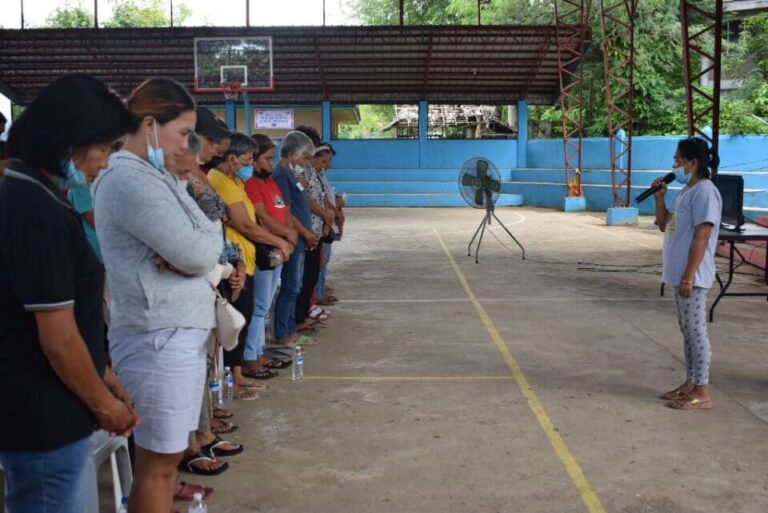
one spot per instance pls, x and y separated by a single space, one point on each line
544 187
406 188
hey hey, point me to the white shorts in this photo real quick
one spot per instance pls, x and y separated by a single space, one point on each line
164 371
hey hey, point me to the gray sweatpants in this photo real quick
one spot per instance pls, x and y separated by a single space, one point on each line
692 315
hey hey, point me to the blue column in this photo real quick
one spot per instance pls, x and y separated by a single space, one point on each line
247 114
326 114
423 140
230 113
522 133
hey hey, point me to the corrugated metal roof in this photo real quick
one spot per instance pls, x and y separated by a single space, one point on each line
441 64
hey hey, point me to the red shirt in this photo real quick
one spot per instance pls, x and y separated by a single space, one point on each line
268 193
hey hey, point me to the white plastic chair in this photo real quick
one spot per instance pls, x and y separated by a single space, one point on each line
115 449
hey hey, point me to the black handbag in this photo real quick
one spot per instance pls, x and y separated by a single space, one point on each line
262 256
331 237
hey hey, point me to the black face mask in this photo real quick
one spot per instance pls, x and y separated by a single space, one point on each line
262 175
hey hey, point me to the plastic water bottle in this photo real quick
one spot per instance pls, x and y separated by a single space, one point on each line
198 504
229 385
123 505
214 387
297 369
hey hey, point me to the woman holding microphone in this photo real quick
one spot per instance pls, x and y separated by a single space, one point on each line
691 227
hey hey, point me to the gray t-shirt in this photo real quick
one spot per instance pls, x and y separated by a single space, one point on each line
692 207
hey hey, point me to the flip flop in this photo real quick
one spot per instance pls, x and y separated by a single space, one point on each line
186 466
673 395
278 364
189 490
692 404
223 428
212 449
260 374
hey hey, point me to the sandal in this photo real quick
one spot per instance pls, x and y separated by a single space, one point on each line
262 373
328 301
318 313
278 364
691 404
186 465
253 384
246 394
304 340
212 449
188 491
219 427
674 395
221 413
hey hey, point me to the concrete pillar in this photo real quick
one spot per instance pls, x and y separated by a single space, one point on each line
423 124
627 215
522 133
326 114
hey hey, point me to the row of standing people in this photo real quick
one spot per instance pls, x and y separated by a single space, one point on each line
169 236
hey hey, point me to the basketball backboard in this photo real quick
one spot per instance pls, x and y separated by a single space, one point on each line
247 60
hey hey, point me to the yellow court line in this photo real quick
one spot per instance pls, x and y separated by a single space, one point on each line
409 378
588 495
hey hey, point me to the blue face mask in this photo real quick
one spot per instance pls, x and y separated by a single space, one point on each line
245 172
75 178
682 177
155 155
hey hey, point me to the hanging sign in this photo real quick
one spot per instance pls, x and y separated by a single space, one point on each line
274 119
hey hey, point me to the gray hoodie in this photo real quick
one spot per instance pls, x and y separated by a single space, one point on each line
142 213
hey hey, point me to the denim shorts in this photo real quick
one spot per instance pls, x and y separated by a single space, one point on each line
52 480
164 371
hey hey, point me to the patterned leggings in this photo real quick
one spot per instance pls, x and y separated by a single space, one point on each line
692 315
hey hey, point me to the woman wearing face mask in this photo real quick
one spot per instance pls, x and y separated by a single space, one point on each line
51 324
691 229
273 214
243 230
160 319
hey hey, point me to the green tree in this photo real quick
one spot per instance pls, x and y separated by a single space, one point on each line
659 101
68 16
125 14
145 13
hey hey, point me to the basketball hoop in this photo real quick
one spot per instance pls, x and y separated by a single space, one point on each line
231 90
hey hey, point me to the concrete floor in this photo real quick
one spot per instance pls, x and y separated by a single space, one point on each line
596 348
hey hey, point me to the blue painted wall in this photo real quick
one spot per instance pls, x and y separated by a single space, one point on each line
652 152
439 153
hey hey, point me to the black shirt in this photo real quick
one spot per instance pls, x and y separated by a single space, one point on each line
46 263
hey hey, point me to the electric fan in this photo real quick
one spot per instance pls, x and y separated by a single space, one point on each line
479 184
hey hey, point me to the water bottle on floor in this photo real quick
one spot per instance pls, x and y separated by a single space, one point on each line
214 387
123 505
198 505
297 369
229 385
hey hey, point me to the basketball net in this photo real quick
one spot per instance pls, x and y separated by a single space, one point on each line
231 90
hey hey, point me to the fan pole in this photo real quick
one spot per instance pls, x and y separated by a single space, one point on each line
490 213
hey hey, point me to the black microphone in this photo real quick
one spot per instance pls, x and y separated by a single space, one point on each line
668 178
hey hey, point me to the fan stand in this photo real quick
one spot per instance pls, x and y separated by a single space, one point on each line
489 212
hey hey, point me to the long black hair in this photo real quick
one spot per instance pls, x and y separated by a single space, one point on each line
698 149
73 112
